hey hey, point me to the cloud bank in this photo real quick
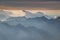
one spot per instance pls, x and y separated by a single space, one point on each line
38 14
5 14
36 27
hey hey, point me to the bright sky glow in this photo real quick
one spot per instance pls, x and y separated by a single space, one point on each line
21 13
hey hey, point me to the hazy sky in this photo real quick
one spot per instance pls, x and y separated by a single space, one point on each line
16 6
29 0
30 5
21 13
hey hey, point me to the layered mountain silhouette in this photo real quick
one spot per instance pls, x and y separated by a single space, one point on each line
39 28
36 28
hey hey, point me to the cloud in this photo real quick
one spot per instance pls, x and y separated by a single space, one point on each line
3 15
51 16
38 14
32 15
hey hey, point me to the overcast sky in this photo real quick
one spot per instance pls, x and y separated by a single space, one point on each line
29 0
29 5
32 5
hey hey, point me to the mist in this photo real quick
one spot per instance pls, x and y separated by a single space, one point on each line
36 27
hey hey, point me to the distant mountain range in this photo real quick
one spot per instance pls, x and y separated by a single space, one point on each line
21 28
37 28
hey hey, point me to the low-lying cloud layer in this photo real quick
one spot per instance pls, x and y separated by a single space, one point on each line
38 14
6 14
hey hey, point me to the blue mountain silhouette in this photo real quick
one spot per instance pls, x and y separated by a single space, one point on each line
22 28
37 28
